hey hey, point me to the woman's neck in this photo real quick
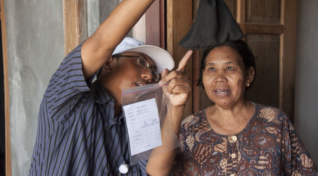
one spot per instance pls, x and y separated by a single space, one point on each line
231 112
230 120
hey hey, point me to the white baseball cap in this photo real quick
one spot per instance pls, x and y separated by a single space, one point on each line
160 56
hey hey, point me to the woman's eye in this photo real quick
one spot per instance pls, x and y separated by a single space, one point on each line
211 69
229 68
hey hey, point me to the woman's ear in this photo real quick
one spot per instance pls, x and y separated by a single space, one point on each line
250 76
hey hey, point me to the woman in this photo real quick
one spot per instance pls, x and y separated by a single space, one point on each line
236 136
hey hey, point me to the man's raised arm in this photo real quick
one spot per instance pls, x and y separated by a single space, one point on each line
99 47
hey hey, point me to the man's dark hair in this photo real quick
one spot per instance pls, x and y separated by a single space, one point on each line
240 47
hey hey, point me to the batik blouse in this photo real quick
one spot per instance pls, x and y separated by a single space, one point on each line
268 145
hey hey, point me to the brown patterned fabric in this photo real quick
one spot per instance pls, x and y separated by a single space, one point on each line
267 146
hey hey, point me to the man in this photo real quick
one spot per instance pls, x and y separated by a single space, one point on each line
81 127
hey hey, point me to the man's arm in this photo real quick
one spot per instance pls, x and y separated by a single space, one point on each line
100 46
161 164
179 89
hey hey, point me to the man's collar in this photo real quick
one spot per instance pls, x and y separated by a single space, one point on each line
102 96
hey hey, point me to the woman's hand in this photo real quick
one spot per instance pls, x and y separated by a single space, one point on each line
179 88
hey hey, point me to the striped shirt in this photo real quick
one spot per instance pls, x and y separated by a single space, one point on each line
77 131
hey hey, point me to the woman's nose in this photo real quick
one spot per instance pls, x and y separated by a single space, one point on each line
220 77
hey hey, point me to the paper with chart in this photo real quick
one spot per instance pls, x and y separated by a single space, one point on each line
142 119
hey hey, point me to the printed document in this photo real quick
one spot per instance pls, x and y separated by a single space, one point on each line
143 124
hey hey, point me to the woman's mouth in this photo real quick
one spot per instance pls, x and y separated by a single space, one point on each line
222 92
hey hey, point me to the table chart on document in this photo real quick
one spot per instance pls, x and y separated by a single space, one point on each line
143 126
148 135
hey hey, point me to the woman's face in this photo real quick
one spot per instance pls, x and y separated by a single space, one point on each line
225 77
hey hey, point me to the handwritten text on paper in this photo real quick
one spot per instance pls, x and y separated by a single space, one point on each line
143 126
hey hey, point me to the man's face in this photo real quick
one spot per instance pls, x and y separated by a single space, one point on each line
128 72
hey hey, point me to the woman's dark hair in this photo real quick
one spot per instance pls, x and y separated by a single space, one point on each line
239 46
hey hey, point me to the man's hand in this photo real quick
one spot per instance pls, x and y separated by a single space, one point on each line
178 89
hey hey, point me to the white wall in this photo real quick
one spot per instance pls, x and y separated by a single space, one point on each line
35 49
93 16
306 90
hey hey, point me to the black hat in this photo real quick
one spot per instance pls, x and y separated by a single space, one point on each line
214 25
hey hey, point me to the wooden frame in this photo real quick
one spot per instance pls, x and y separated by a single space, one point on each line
6 93
153 23
195 88
151 26
162 24
75 23
179 21
240 14
264 28
287 54
288 57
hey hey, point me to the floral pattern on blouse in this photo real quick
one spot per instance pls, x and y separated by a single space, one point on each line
268 145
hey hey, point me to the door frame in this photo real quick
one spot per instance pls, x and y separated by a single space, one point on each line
286 29
8 168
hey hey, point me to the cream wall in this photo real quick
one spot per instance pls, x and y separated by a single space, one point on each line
306 90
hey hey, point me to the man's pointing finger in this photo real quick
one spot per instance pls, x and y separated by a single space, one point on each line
183 62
